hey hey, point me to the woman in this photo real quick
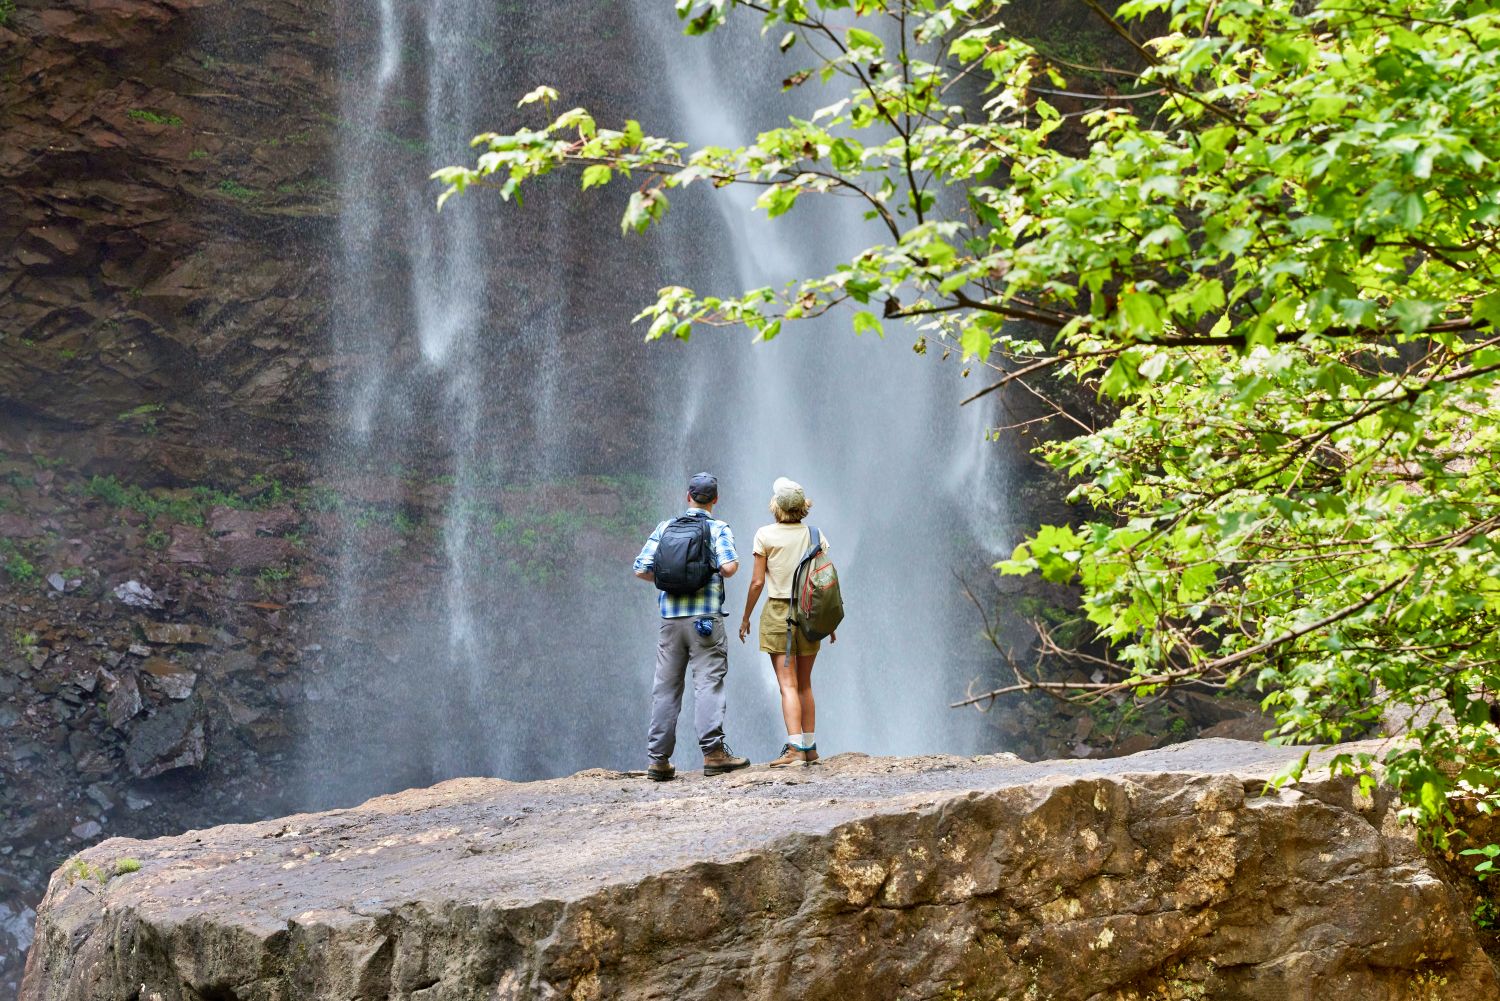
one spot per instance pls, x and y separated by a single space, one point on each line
778 548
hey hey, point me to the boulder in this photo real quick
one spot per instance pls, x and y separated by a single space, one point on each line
1172 874
168 739
136 595
174 681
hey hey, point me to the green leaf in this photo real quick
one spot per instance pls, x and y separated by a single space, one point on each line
1487 309
777 200
975 342
858 38
544 94
1412 315
596 175
1142 311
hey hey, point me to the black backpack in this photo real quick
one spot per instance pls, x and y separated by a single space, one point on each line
684 561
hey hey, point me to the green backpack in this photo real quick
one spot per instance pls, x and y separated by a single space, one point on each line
817 603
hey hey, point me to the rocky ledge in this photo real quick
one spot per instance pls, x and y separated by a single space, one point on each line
1170 874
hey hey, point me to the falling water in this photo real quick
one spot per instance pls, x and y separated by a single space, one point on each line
481 345
412 308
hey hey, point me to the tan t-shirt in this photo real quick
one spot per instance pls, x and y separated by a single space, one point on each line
783 546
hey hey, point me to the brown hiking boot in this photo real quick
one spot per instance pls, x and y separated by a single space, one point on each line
810 754
721 759
791 757
660 771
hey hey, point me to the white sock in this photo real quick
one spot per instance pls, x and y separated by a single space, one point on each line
807 741
795 739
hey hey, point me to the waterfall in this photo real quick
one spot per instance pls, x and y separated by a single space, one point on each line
412 319
489 376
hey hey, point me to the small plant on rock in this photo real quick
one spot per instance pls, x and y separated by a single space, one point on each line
20 569
154 117
25 643
80 871
267 580
236 190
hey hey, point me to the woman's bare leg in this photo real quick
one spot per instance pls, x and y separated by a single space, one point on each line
809 710
786 680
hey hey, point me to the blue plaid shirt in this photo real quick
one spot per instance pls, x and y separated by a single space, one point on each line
710 600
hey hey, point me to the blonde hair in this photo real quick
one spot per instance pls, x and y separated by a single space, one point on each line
789 504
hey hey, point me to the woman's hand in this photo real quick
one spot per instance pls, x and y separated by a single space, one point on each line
744 628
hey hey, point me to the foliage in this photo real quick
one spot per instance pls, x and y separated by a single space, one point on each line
270 579
234 189
1487 868
7 8
154 117
79 870
1274 251
188 506
18 567
25 642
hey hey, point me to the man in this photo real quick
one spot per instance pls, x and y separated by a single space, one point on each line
698 550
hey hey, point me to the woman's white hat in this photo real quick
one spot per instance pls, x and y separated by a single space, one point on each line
788 493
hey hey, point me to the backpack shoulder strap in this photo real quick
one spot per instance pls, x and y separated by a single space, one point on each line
814 541
706 532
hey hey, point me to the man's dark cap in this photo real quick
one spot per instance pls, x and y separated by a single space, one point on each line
704 488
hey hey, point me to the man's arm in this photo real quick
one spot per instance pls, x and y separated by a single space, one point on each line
724 554
645 563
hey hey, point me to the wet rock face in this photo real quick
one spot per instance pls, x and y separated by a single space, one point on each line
163 163
1166 875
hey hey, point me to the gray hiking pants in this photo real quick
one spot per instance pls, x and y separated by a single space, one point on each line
679 647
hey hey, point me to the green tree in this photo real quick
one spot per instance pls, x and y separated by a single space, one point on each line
1269 238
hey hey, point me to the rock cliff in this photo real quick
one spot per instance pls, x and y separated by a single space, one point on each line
1171 874
165 165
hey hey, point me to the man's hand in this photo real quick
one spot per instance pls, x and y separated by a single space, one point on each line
744 628
833 637
645 575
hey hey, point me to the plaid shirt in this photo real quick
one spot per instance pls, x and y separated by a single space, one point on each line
710 600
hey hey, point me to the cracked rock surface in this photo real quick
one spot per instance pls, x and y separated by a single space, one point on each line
1169 874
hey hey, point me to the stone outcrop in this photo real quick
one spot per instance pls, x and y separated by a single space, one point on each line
165 187
1173 874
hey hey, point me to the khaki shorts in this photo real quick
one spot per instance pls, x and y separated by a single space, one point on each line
773 630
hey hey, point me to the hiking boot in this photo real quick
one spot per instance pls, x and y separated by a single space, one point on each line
721 759
791 757
810 754
660 771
